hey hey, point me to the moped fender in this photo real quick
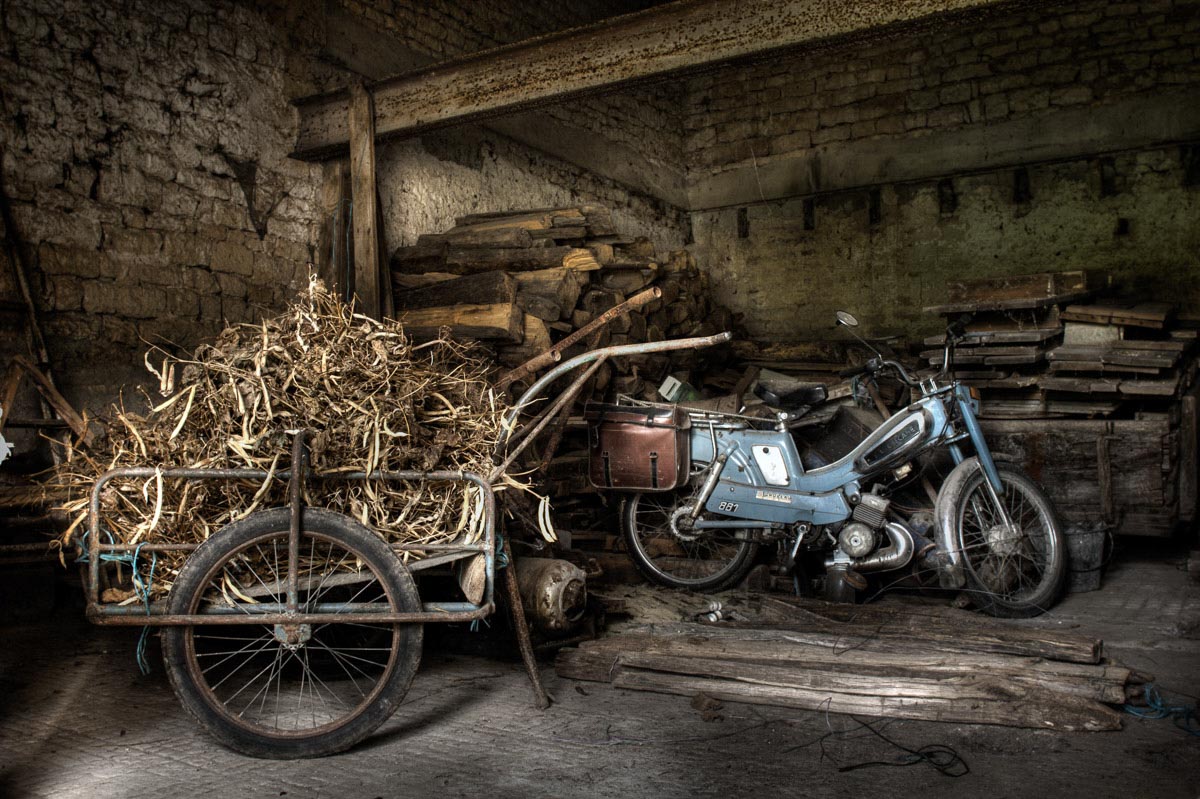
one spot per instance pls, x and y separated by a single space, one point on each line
776 504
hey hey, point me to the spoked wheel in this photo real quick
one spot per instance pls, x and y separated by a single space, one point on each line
679 556
1012 571
289 691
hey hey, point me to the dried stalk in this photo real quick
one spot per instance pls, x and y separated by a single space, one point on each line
370 398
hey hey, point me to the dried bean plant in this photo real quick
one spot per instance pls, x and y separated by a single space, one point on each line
370 397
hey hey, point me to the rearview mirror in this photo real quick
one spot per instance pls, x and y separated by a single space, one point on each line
847 319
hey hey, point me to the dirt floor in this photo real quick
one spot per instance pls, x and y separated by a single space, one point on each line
78 720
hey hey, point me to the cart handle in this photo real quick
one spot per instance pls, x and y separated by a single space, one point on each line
510 419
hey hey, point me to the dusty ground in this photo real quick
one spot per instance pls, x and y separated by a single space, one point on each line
77 720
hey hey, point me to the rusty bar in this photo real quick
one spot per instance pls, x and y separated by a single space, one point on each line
529 434
554 354
671 39
560 427
535 390
296 502
130 616
516 609
101 614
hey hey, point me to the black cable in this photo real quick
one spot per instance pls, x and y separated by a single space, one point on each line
943 758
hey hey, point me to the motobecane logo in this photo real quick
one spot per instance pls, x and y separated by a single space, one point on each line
771 496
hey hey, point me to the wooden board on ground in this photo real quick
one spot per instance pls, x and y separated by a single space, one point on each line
900 662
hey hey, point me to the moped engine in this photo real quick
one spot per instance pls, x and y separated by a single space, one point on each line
859 538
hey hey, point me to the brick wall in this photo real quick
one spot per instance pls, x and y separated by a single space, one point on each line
145 156
1028 63
795 259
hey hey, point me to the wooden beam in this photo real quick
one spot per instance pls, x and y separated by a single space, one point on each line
361 122
674 38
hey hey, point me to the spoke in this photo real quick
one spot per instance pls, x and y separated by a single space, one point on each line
338 654
229 701
321 696
343 664
259 640
266 689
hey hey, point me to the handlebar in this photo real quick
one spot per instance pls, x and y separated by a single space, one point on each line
876 365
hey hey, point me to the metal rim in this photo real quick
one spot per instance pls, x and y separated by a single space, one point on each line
650 520
1014 564
219 659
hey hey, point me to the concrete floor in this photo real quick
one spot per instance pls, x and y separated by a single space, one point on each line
77 720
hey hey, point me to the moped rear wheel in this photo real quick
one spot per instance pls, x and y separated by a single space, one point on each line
1017 571
699 560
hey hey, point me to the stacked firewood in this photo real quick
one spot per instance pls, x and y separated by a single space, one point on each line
524 280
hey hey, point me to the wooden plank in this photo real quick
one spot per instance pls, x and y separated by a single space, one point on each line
673 38
1031 336
595 660
56 400
495 321
439 256
1147 314
1101 368
479 237
1016 287
1035 709
485 288
1008 305
1189 445
362 188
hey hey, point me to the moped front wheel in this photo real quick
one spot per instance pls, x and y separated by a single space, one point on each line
679 557
1013 570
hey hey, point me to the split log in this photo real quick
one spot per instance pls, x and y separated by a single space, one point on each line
484 288
513 238
502 321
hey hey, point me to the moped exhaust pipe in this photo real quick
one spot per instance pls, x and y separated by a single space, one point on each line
895 556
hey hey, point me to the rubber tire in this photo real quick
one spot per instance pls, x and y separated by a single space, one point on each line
955 491
195 574
742 562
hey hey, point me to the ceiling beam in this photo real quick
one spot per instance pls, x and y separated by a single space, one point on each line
675 38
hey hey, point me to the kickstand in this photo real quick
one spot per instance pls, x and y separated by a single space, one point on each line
540 699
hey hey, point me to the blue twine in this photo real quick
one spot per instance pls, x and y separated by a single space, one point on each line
142 586
501 562
1184 716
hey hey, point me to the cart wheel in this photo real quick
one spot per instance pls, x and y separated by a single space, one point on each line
307 691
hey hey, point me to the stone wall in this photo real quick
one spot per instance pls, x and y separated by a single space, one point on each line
145 157
1018 64
789 280
1049 88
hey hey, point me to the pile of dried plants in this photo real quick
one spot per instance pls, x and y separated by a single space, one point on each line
370 397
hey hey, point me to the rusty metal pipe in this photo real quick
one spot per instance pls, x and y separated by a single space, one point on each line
131 616
604 352
554 354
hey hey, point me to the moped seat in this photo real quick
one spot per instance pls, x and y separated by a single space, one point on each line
790 395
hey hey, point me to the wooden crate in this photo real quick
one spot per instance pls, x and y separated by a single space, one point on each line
1138 475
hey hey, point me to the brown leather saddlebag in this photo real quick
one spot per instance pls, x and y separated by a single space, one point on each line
637 448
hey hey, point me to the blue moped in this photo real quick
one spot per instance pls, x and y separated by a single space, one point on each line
995 533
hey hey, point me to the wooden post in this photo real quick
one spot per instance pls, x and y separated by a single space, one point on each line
362 193
335 260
